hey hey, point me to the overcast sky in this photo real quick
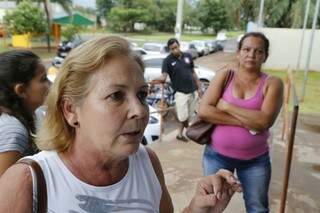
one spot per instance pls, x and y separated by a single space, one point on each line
86 3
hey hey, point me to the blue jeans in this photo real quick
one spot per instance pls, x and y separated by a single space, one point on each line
253 174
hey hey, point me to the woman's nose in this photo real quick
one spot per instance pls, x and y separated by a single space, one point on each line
138 109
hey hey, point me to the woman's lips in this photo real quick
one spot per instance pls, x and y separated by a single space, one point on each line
134 135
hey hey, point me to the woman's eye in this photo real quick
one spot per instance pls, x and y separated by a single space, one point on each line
260 52
143 96
117 96
246 49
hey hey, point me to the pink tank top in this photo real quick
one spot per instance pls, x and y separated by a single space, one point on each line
237 142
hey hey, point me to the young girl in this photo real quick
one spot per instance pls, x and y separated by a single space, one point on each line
23 88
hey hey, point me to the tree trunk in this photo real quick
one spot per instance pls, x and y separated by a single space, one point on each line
48 16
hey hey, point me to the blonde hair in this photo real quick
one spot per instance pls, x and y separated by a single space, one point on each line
72 82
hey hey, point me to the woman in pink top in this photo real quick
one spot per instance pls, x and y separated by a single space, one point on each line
243 115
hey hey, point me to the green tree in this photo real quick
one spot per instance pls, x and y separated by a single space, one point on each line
66 5
25 18
165 17
212 14
104 6
126 13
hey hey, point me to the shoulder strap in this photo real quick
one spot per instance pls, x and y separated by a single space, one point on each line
227 80
41 184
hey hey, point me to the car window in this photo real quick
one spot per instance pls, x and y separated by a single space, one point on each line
154 62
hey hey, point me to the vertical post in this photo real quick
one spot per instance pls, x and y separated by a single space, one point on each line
305 21
306 70
285 108
161 111
289 151
179 18
47 7
260 20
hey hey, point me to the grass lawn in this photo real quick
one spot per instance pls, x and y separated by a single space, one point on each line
310 104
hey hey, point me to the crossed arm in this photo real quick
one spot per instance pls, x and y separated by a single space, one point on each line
214 109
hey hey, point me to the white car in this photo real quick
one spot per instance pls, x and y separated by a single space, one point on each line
152 131
153 65
201 47
155 48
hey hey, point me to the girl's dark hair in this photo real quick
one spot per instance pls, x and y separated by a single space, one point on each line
17 67
258 35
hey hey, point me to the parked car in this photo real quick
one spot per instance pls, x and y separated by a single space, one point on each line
221 39
201 47
212 46
153 65
189 48
152 131
155 48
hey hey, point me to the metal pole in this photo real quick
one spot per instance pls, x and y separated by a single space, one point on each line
306 70
306 14
260 20
179 18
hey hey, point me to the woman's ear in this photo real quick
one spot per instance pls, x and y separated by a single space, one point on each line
19 89
69 112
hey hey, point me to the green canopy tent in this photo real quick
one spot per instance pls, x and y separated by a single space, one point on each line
75 19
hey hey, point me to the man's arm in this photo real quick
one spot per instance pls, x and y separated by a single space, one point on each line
198 83
161 80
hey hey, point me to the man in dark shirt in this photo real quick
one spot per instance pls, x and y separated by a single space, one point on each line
180 68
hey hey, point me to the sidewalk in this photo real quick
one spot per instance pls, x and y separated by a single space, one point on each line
181 163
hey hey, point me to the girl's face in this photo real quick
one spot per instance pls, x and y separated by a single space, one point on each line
114 114
36 90
252 53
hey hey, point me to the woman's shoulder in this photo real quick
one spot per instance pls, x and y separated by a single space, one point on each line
13 135
273 80
10 120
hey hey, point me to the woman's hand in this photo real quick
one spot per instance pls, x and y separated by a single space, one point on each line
222 105
214 192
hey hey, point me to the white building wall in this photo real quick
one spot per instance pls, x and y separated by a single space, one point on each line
284 48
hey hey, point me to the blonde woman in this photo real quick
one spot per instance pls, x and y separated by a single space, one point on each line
92 159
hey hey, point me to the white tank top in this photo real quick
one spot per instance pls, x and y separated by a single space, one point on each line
139 191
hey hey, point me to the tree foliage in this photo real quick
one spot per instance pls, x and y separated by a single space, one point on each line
207 14
166 15
126 13
25 18
212 14
104 6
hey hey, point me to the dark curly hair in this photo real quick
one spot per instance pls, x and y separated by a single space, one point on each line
17 67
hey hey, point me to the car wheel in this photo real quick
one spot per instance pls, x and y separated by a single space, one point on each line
144 141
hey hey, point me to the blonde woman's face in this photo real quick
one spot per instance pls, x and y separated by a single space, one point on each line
114 114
